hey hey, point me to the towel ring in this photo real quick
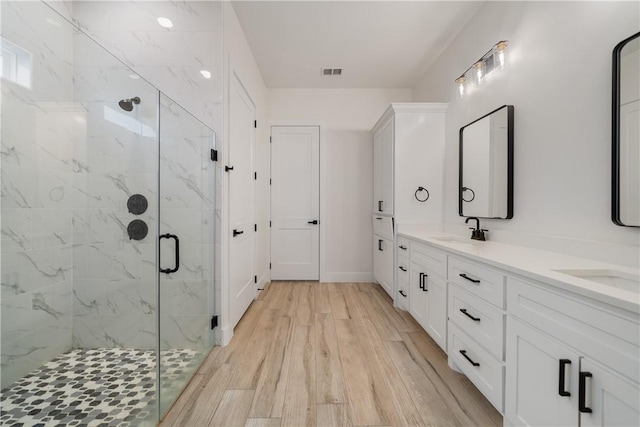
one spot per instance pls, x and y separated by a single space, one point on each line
419 190
473 194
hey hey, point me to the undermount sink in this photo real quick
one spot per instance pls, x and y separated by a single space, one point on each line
453 239
616 279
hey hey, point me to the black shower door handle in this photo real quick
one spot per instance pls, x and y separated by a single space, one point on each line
177 262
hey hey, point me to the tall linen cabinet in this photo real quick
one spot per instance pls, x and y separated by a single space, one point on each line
408 156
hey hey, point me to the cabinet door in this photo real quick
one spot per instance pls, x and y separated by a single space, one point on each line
387 168
377 171
383 263
534 369
418 295
613 400
437 309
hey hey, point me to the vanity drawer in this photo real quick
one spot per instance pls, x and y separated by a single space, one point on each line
383 226
404 246
431 258
485 282
403 269
486 372
479 319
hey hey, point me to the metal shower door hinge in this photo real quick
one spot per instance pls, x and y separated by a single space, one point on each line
214 155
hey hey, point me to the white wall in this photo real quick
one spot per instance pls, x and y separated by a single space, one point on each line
239 59
345 117
559 80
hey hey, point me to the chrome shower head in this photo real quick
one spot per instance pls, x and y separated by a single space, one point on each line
127 104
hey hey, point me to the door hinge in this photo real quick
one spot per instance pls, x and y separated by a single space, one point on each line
269 266
269 181
255 227
214 322
255 124
269 224
270 140
255 279
255 175
214 155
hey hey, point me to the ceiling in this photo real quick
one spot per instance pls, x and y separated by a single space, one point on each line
379 44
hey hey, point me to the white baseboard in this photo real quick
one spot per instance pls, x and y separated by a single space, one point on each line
225 335
346 277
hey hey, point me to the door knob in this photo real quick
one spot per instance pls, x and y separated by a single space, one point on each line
315 221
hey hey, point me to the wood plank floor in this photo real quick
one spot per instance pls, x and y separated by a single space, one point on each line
327 354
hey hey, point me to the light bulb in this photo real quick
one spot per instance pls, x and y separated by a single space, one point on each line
478 68
500 55
460 81
165 22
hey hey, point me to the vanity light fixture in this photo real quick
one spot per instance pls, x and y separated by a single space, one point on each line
495 58
165 22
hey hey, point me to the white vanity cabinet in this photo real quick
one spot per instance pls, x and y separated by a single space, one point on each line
572 361
476 325
428 291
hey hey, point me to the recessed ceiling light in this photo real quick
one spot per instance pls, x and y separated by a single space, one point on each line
165 22
206 74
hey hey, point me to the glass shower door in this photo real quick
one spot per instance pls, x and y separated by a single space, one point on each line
186 242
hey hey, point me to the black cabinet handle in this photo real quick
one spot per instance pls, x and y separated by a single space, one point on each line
404 248
380 245
402 293
464 311
380 206
402 268
464 276
228 168
561 377
315 221
177 261
420 282
379 218
464 353
237 233
423 283
582 392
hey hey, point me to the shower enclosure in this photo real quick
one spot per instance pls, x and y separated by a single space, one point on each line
107 220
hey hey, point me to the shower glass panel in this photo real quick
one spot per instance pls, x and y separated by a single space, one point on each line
96 165
186 223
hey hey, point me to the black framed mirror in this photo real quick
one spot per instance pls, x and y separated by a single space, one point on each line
486 166
625 182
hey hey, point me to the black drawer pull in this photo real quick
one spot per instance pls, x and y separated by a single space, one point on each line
379 218
423 283
402 268
464 353
464 311
402 293
582 392
380 245
177 253
561 377
464 276
404 248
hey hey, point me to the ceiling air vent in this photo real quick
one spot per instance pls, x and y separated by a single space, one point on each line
332 71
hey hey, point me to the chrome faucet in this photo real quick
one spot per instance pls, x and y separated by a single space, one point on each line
477 233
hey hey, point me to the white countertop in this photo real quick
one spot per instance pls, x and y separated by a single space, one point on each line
538 265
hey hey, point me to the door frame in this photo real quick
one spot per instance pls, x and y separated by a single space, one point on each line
322 184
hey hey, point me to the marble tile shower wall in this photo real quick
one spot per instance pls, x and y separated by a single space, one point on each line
38 124
114 290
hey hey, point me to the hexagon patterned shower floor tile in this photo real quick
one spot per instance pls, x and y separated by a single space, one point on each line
95 387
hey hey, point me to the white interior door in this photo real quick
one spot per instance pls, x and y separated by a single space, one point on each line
242 288
295 203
